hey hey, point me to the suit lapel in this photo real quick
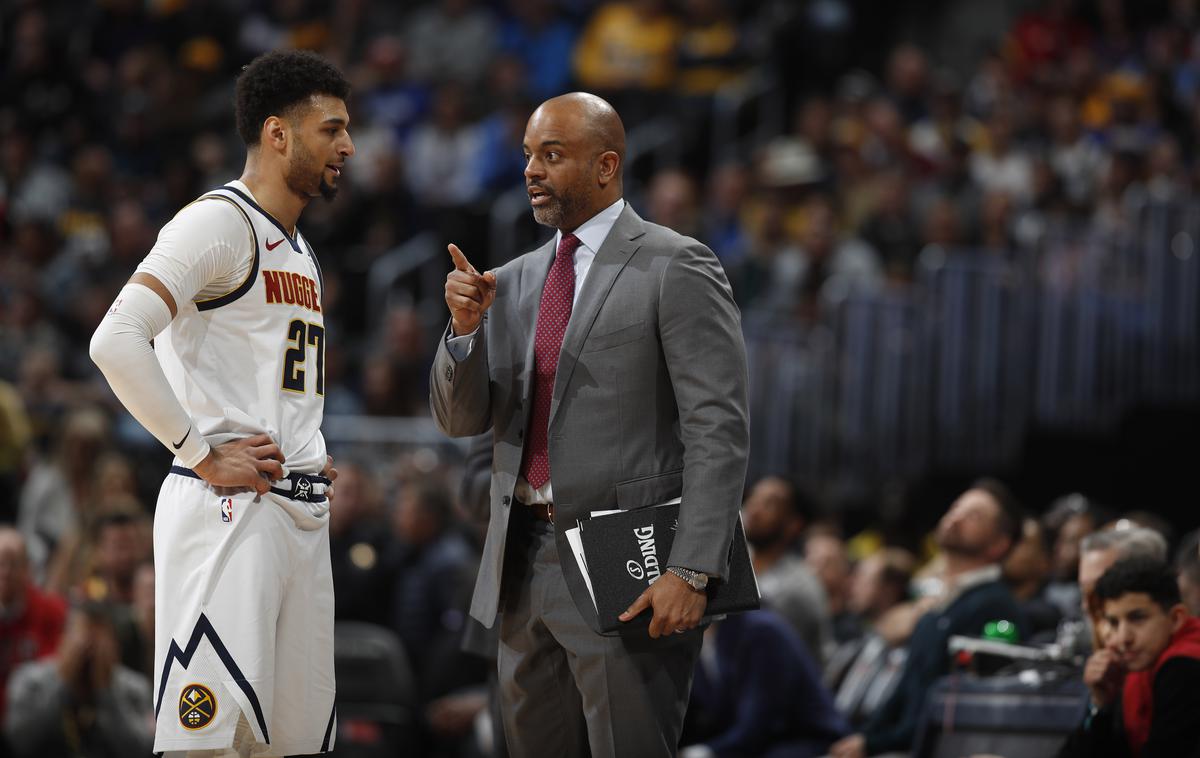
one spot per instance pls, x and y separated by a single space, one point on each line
612 256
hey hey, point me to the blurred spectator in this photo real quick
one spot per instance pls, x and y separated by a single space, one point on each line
1187 563
710 52
48 395
537 33
284 24
827 255
451 40
1027 569
1076 157
943 226
442 155
1042 38
775 515
1101 549
907 81
432 567
864 672
1145 683
1001 166
891 229
31 621
58 491
358 541
1166 174
122 544
82 702
722 214
671 202
1149 520
397 372
758 691
627 53
1070 518
974 536
710 57
1097 553
139 653
934 136
385 94
825 554
501 164
880 582
14 442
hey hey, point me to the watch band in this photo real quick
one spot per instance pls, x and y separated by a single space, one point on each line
695 579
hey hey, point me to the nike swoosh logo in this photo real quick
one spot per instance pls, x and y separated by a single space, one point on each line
179 444
273 245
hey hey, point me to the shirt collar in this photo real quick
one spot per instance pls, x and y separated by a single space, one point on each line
965 581
594 231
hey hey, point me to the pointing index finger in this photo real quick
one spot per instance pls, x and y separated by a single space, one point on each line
460 261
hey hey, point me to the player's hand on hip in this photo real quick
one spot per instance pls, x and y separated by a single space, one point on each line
330 473
252 462
675 606
468 293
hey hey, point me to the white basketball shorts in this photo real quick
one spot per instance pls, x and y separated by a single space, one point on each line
243 620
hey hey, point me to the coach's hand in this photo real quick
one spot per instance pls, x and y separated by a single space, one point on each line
252 462
676 606
468 293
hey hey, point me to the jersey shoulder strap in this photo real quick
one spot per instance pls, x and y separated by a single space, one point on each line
216 302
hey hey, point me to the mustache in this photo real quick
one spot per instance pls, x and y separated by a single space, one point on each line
543 187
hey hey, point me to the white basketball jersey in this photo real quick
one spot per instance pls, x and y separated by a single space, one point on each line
253 359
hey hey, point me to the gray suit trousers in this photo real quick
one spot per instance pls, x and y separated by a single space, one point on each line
566 690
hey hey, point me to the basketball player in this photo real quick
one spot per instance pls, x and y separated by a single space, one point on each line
233 385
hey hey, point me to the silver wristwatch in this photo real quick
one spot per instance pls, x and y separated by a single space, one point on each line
697 580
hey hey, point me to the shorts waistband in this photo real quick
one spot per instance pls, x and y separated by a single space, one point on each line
308 488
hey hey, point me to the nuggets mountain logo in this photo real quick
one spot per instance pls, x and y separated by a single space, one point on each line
197 707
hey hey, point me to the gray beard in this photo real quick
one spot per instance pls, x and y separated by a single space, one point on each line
557 211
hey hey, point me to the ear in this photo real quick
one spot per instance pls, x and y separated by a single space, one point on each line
1179 614
610 167
274 133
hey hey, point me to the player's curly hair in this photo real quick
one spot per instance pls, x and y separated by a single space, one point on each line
276 82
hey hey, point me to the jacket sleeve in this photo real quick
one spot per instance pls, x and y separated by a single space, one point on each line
458 390
1176 704
1099 736
700 329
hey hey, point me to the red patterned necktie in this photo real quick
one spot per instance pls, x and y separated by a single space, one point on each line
553 315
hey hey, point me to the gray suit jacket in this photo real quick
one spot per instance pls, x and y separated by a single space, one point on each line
649 401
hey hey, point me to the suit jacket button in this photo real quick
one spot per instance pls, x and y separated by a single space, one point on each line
449 373
506 500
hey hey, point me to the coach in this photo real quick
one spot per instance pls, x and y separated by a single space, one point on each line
610 367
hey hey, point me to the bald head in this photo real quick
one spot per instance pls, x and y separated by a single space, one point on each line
574 150
596 117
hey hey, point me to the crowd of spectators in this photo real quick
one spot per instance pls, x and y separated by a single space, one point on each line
868 142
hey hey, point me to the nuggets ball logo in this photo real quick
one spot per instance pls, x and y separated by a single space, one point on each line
197 706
